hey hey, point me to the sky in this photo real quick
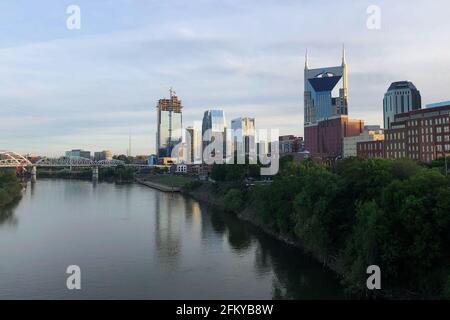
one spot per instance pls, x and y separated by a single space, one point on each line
89 88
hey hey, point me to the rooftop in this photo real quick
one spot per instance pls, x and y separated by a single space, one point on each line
438 104
398 85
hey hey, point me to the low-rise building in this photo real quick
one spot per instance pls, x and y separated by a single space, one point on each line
103 155
370 133
370 149
78 153
290 144
181 168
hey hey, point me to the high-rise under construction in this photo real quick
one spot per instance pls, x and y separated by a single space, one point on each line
170 123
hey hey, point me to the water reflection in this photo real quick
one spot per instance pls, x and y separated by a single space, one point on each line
168 213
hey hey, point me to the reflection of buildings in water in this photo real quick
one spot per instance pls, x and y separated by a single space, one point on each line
169 209
72 189
193 212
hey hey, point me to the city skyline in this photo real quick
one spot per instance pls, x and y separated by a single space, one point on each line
64 89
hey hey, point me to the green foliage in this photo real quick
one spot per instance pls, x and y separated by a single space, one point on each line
315 217
119 173
234 172
193 185
124 158
395 214
10 188
233 200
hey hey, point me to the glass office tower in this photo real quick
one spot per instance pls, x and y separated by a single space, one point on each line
214 128
401 97
243 135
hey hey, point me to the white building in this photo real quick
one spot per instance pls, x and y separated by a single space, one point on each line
370 133
181 168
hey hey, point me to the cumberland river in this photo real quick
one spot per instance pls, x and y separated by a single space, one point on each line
133 242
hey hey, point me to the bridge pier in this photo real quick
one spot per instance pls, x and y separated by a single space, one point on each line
95 173
33 173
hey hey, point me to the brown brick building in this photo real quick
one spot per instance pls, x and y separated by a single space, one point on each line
325 139
422 135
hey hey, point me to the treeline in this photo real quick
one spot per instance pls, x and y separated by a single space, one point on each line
10 188
120 174
394 214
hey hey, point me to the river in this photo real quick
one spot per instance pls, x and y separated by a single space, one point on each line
133 242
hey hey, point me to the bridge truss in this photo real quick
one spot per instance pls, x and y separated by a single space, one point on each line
10 159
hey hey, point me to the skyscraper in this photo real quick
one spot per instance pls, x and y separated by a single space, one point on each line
325 93
193 144
214 129
326 111
243 135
170 123
402 96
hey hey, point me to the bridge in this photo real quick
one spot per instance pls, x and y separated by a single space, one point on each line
10 159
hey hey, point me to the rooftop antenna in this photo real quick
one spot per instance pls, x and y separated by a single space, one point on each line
306 60
344 62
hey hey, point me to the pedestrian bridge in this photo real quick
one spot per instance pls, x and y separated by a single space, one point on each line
10 159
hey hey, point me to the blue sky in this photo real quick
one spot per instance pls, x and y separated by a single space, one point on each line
62 89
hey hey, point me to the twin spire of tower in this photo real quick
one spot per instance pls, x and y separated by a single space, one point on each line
344 61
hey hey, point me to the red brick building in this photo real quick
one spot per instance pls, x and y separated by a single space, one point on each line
422 135
325 139
371 149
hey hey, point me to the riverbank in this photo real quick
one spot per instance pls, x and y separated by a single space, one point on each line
165 183
10 188
158 186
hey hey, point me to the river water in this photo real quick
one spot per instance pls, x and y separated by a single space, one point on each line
133 242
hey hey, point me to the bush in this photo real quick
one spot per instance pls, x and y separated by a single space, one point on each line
233 200
191 186
10 188
394 214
